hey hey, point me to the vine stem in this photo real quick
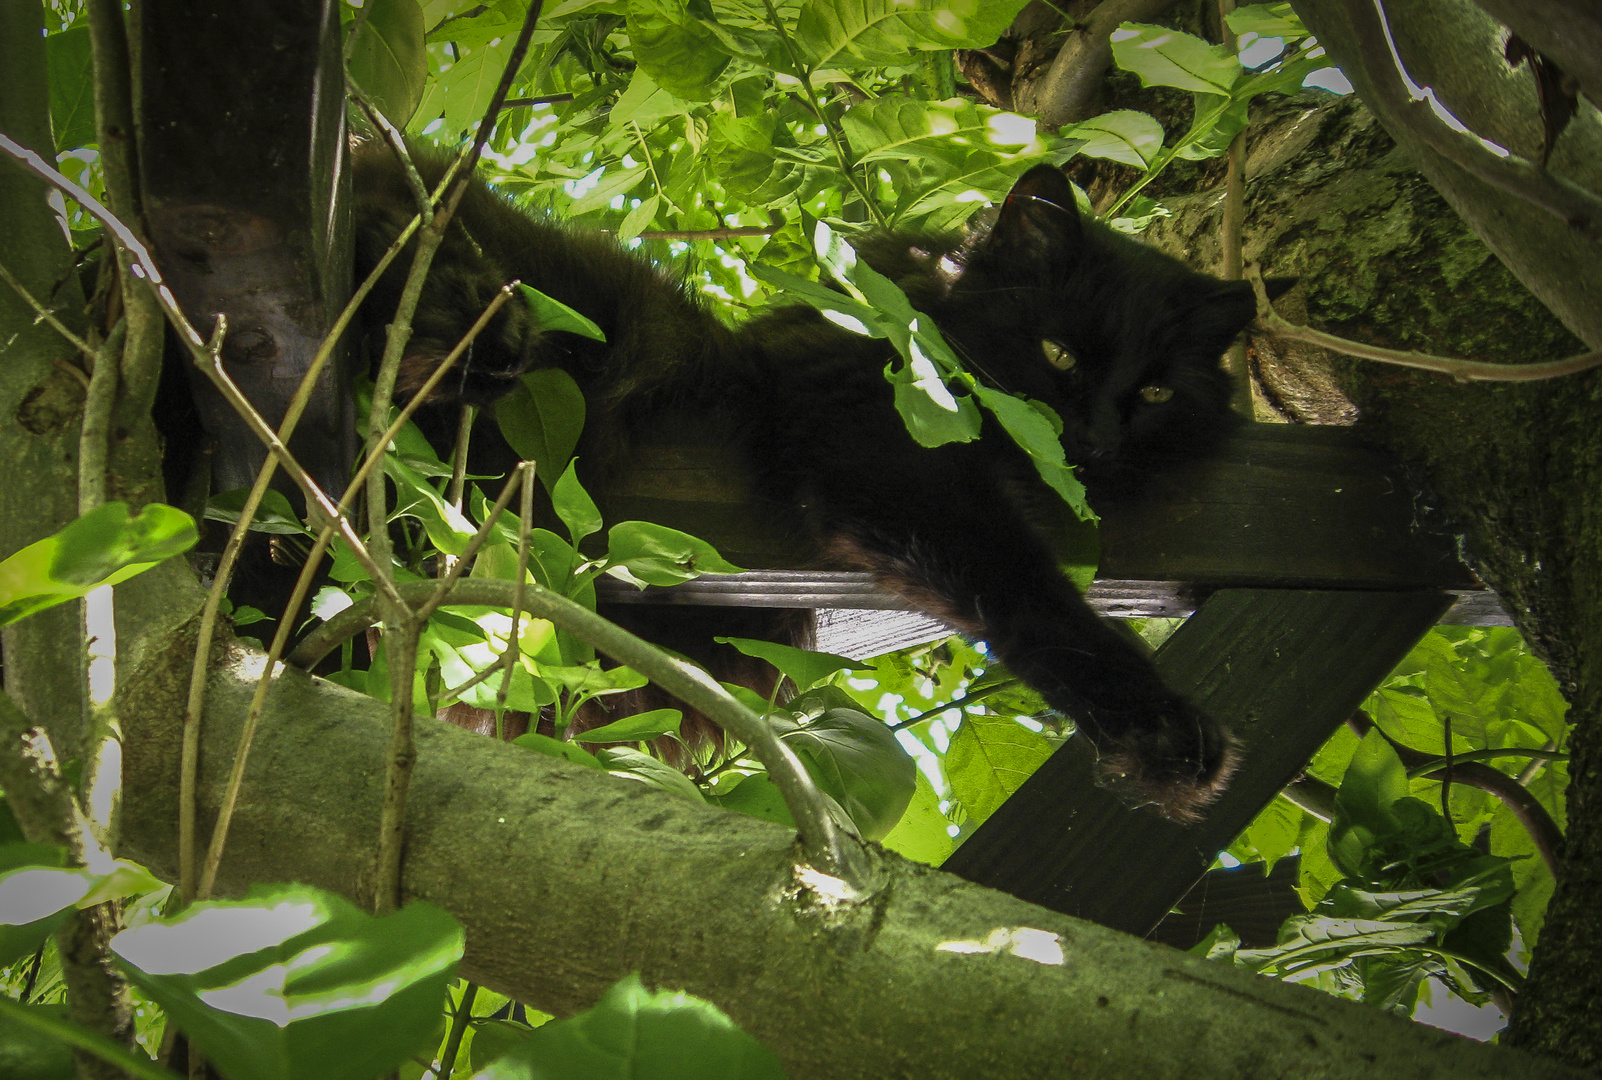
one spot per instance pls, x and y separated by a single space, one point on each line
1470 370
823 846
297 597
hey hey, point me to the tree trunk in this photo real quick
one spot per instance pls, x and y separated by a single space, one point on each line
1517 468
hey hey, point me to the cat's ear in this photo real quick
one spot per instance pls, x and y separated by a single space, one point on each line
1230 306
1039 219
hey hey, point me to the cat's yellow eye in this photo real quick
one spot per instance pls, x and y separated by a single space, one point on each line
1057 355
1156 395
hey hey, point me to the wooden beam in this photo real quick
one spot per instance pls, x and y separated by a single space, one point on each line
1279 506
1282 668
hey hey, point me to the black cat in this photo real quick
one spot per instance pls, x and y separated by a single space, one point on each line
1122 341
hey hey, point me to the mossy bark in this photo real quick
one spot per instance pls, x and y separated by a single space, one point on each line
1515 469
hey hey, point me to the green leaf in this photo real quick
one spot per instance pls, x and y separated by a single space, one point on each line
297 984
1266 20
894 128
641 727
755 796
804 667
1124 136
462 93
544 744
388 58
1375 781
617 180
26 1053
447 529
72 88
1164 57
629 764
541 420
574 506
643 553
923 834
989 759
854 758
551 315
933 414
273 514
1035 428
674 47
639 218
635 1032
103 547
645 101
868 33
492 1039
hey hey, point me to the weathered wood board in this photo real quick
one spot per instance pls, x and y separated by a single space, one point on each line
1282 668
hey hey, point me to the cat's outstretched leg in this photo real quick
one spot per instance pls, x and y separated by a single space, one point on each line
946 536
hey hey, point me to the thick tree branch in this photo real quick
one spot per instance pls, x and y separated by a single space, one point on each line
1580 209
579 878
1069 88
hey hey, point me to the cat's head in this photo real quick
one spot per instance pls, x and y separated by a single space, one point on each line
1123 341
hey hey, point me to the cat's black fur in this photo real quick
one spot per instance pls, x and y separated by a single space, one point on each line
807 405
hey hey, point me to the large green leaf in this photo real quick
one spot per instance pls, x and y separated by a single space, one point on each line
627 763
388 60
447 528
641 727
866 33
635 1032
989 759
273 514
550 314
643 553
72 87
894 128
1164 57
542 420
804 667
28 1053
297 984
854 758
673 46
103 547
924 833
1035 432
574 506
1124 136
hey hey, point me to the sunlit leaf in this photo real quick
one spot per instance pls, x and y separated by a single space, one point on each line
852 33
643 553
103 547
804 667
635 1032
297 984
1165 57
675 48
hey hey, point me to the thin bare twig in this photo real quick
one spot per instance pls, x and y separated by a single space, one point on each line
397 142
710 234
45 315
303 583
509 657
1470 370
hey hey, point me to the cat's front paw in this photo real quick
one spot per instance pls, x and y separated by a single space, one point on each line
1175 758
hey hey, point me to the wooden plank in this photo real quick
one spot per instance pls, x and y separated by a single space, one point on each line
1282 667
854 590
1280 505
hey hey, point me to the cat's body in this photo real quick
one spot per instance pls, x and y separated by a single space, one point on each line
1123 342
